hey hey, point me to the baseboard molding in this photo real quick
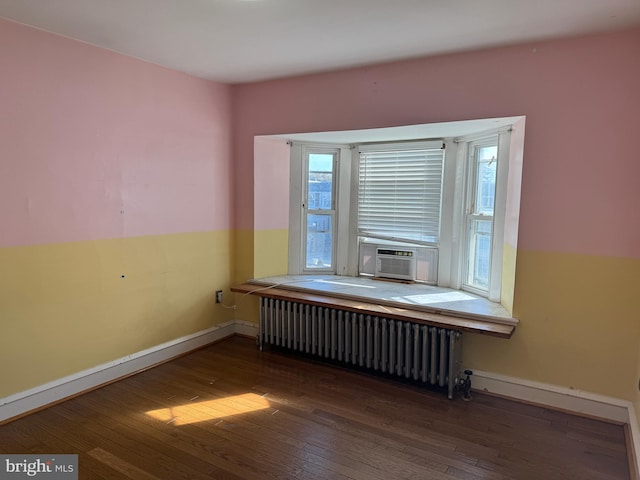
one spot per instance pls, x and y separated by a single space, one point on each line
33 399
246 329
634 429
567 399
571 400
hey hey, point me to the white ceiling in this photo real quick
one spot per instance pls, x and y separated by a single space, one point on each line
238 41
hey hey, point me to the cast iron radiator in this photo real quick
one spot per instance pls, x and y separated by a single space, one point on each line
422 353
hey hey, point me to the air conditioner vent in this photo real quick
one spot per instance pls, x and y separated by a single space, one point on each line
399 263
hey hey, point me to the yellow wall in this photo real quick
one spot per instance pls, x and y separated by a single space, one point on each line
271 249
246 306
65 307
507 285
578 327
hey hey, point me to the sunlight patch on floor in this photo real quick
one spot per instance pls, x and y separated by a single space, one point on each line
210 409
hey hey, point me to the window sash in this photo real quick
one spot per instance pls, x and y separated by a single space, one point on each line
400 194
478 213
318 208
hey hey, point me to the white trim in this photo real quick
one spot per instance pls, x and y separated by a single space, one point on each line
42 395
499 216
294 259
307 151
343 207
487 133
248 329
634 430
569 399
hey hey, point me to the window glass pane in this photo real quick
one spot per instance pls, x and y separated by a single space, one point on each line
321 162
479 253
319 241
485 180
320 183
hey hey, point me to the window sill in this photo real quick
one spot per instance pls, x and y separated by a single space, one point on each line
417 302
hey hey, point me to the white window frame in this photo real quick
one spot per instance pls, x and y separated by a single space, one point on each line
298 209
461 246
452 246
470 215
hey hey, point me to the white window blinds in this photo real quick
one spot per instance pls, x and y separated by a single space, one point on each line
400 191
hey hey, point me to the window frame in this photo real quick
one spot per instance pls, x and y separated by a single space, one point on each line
453 239
306 211
501 138
472 215
299 163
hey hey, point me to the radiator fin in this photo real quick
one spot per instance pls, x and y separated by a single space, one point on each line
422 353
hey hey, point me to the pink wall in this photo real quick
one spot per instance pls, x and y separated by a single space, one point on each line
580 97
98 145
271 189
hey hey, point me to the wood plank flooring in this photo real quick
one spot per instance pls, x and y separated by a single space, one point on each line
232 412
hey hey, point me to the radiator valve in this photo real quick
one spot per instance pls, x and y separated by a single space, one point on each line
465 386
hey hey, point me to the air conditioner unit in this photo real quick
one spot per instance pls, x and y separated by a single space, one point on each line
399 263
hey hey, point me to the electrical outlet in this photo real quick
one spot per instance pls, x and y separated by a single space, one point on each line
218 296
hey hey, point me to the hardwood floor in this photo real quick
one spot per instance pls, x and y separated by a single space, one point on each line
232 412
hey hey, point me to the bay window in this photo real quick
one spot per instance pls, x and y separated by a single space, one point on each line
443 199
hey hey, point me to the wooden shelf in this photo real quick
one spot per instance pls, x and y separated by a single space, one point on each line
459 323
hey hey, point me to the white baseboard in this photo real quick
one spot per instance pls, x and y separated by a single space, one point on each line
634 430
248 329
32 399
563 398
568 399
